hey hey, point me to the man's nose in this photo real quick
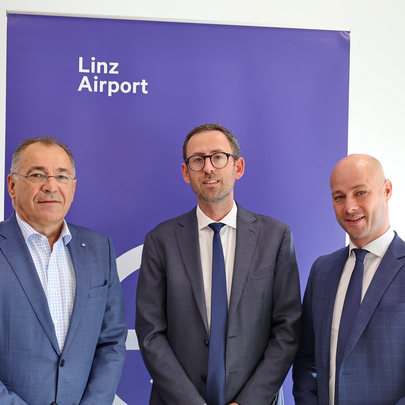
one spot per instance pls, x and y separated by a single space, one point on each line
50 184
350 204
208 167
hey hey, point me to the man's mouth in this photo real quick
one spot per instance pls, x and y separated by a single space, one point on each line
210 181
354 219
48 202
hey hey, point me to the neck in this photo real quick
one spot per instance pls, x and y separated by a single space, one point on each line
51 232
215 211
52 238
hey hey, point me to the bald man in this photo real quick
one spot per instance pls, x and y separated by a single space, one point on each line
352 349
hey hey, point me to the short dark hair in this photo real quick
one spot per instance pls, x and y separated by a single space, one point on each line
213 127
45 140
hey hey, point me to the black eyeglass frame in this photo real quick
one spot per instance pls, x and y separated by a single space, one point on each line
228 155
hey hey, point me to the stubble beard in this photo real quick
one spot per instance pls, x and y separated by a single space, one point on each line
213 198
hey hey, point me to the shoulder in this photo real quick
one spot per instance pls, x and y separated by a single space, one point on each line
86 234
326 266
262 220
9 227
172 224
397 247
332 257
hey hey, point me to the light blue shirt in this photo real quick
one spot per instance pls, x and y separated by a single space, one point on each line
56 272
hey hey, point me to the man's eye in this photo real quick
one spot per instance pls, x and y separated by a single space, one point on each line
197 159
62 177
36 176
338 198
218 157
361 193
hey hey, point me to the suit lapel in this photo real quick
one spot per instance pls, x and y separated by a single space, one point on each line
386 271
77 250
329 296
247 233
189 247
17 254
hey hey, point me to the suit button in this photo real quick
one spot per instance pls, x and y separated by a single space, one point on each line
206 342
204 378
54 403
62 363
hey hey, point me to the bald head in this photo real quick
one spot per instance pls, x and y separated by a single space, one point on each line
365 163
360 195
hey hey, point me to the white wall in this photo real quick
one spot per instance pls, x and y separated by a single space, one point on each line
377 80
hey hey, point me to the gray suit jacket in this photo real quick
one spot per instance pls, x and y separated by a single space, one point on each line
33 371
263 320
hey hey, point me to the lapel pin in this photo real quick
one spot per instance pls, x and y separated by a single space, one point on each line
83 244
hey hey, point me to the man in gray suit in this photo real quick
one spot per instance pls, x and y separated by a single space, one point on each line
175 308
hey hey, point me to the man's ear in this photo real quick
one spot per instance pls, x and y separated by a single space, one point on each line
184 170
239 168
11 185
388 189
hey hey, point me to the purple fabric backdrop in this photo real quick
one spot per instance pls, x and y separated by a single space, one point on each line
283 92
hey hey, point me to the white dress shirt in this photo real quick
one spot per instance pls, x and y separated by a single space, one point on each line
376 250
228 239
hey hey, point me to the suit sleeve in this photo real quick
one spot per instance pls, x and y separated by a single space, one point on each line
169 378
304 370
110 351
8 397
285 320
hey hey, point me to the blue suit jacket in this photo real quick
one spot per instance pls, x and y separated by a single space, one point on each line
373 367
32 369
263 320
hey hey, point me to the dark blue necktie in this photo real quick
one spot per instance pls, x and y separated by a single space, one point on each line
215 393
350 309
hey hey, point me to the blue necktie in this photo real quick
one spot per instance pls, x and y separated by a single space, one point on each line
350 309
215 391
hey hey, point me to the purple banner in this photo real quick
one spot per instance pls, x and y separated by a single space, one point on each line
124 94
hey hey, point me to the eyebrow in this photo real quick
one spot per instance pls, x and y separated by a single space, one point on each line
43 169
212 152
353 188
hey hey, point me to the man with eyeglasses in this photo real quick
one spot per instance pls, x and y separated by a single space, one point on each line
62 320
218 300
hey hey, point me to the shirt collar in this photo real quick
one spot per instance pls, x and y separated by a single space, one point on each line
378 246
27 231
229 219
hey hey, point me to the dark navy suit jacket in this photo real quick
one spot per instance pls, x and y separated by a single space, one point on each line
373 367
32 369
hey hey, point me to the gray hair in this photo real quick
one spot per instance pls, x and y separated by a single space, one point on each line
45 140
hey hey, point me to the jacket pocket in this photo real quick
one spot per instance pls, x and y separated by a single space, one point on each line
99 290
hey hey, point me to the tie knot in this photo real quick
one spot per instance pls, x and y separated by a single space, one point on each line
216 226
360 254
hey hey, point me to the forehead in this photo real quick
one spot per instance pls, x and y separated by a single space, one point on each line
346 177
207 142
40 155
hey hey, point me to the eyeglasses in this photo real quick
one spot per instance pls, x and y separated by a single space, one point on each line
40 178
219 160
